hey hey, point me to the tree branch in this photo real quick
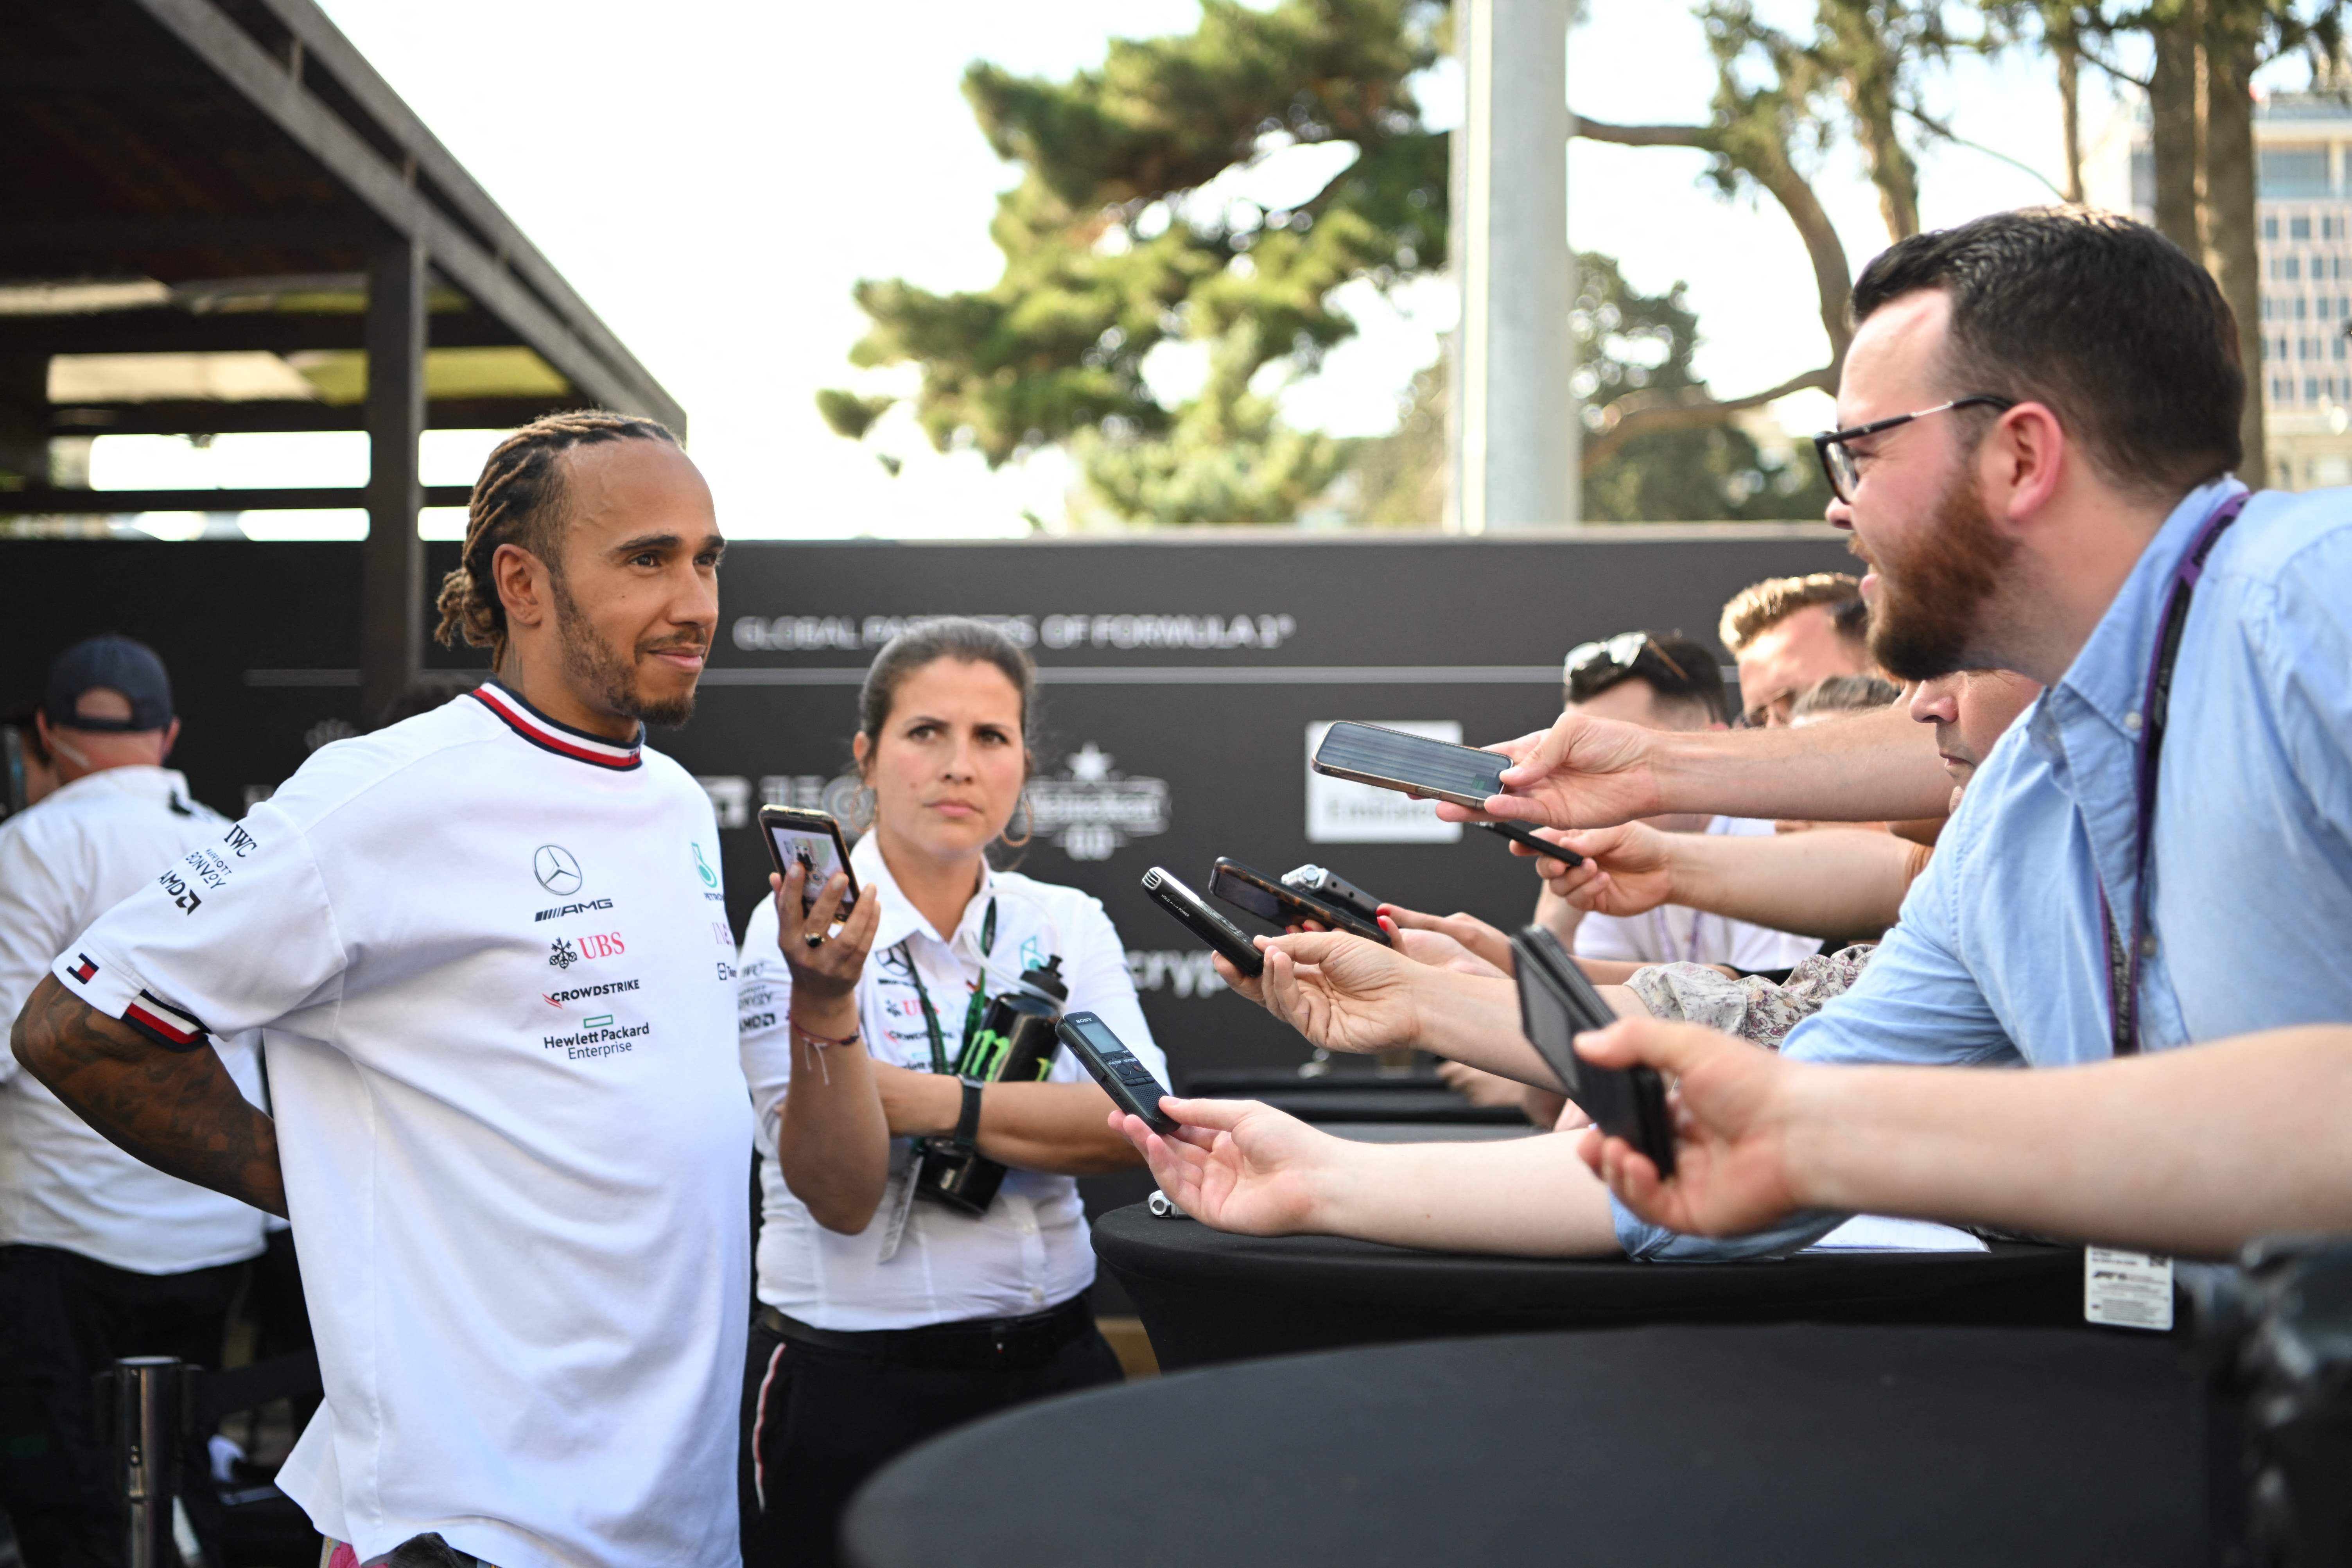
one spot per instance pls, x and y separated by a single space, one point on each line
1937 128
1766 163
1647 412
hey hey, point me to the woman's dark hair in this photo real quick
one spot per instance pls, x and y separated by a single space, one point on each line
2107 322
959 637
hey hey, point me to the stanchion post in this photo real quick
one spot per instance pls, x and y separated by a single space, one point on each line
148 1389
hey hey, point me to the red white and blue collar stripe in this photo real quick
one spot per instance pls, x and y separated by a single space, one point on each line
561 738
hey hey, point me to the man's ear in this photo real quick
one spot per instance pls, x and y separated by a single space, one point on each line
2026 456
171 739
520 580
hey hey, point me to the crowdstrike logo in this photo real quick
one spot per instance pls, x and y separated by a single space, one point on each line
556 870
558 998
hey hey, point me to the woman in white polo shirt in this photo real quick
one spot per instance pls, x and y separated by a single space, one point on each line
886 1319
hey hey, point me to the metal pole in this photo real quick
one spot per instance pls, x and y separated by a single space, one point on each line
147 1454
1515 430
391 589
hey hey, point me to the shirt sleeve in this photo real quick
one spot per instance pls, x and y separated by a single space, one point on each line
1101 983
763 1004
2298 640
234 936
36 906
1610 936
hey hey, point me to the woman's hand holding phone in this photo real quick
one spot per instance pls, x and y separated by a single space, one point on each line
1627 870
1340 992
825 975
1458 942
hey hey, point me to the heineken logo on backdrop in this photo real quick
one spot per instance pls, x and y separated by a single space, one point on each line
1092 809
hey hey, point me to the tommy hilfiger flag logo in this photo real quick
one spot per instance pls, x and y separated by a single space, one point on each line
83 969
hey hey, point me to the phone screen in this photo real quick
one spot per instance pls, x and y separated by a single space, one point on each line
814 851
1434 765
1244 894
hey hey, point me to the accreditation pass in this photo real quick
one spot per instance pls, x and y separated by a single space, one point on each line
2127 1290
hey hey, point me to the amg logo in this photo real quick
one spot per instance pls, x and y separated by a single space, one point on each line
572 909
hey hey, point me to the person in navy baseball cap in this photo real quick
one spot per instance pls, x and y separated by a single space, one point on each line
102 664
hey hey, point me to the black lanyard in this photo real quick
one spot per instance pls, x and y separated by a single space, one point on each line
2124 959
939 1061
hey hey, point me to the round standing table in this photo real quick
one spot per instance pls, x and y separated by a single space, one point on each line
1799 1444
1206 1296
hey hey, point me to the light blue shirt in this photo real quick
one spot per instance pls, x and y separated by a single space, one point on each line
2000 956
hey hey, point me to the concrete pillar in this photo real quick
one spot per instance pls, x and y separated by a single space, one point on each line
392 586
1515 429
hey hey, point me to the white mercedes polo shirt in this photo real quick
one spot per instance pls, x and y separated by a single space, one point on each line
498 980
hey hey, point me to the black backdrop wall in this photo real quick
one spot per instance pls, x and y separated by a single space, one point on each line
1181 678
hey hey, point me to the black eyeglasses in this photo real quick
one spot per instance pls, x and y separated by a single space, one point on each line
1838 464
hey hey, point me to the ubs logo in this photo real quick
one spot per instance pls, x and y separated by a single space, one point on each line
557 871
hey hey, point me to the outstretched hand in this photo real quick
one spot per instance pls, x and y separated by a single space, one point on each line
1457 942
1627 870
1234 1164
1731 1104
1580 773
1342 992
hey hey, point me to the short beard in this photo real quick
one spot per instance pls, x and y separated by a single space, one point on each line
595 666
1927 618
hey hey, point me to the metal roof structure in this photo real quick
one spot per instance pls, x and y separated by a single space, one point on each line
215 216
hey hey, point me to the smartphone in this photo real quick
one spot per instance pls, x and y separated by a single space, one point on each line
1391 759
1120 1071
1517 834
809 838
1557 1002
1333 889
1205 923
1270 900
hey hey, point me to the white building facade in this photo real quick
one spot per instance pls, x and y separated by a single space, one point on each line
2303 145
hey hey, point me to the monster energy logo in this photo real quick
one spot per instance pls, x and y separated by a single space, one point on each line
983 1059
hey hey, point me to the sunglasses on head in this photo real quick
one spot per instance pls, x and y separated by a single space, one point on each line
1621 651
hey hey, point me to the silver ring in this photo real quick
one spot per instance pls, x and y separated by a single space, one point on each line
815 938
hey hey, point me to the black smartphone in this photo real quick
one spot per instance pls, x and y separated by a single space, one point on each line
1557 1002
1518 834
1391 759
1269 901
1333 889
1121 1073
1205 923
809 838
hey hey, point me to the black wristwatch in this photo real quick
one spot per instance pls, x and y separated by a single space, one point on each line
967 1132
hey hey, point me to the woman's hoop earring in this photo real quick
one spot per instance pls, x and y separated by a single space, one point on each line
1028 825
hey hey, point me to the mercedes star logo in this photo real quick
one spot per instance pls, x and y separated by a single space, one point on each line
557 871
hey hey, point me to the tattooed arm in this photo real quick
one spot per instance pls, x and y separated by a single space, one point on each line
178 1110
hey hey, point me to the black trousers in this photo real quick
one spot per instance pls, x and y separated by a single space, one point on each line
818 1421
64 1317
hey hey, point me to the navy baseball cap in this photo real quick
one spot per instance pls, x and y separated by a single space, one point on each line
118 664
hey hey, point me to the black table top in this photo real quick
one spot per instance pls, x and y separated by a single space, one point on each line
1436 1105
1248 1083
1799 1445
1207 1296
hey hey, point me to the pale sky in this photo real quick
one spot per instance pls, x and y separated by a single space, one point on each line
712 176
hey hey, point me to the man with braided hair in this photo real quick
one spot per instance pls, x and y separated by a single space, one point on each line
487 947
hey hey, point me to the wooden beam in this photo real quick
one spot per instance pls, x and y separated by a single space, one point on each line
169 330
589 357
44 502
210 418
106 239
391 562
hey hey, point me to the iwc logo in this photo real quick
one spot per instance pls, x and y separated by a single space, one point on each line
557 871
1092 810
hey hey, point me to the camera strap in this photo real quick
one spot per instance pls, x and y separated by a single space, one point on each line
2124 957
